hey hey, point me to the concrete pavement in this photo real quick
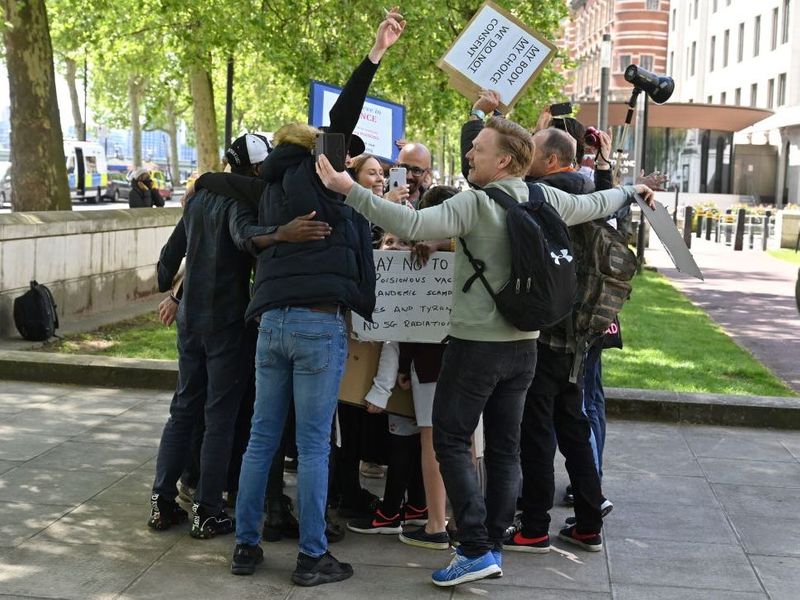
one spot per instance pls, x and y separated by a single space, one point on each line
700 513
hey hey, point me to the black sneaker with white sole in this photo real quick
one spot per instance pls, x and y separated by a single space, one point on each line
312 571
379 523
205 526
245 559
165 513
422 539
593 542
605 508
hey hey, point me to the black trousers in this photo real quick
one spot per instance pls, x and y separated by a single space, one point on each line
490 378
554 411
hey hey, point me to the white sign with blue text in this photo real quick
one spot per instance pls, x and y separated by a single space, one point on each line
412 302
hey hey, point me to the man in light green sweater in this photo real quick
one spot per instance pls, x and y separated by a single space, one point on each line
489 364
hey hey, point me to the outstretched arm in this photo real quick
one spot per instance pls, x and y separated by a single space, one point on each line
345 112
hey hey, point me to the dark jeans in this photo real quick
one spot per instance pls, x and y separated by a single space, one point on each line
403 475
490 378
214 371
555 404
594 401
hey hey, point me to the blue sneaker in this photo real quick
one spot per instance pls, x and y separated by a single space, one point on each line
498 558
463 569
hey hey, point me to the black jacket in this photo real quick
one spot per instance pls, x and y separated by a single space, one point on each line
337 270
214 235
147 199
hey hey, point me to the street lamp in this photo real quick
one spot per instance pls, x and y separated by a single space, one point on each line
605 75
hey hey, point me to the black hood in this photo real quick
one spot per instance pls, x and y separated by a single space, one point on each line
282 158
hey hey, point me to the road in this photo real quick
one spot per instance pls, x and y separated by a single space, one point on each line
81 206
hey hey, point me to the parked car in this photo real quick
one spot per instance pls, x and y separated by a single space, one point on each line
162 183
119 186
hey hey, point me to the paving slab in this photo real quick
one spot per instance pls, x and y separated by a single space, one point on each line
774 536
759 472
649 592
764 501
779 575
80 456
123 430
730 442
52 486
19 447
20 521
698 565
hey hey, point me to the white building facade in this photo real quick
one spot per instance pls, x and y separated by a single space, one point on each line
745 53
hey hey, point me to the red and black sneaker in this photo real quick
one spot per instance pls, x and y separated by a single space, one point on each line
517 541
592 542
379 523
415 516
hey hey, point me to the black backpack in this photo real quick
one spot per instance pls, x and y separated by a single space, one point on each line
542 286
35 313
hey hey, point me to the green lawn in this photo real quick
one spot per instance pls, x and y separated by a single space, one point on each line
142 337
669 345
672 345
786 254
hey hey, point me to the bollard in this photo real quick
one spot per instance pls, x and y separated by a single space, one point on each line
699 227
752 234
738 243
719 229
765 234
709 223
687 226
675 213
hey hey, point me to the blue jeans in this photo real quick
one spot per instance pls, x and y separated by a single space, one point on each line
594 403
300 354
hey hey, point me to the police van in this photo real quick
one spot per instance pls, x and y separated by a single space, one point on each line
87 170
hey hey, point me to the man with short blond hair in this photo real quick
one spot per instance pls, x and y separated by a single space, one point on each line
488 364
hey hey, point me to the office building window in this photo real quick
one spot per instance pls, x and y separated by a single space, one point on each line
723 97
740 49
756 35
781 89
754 94
725 45
652 4
696 2
710 100
714 7
671 62
624 61
785 28
711 52
674 17
694 55
737 97
646 61
770 93
774 43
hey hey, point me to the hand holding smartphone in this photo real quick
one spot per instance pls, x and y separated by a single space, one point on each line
397 177
332 146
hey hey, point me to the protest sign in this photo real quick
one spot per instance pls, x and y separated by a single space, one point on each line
412 301
360 370
498 52
379 125
665 229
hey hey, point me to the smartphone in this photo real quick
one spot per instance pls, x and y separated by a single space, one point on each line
561 110
332 146
397 177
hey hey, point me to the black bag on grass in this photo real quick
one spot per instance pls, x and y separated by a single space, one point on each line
35 313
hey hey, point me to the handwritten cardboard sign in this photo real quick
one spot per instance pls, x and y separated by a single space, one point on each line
498 52
412 302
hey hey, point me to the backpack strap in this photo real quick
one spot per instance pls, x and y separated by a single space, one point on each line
479 266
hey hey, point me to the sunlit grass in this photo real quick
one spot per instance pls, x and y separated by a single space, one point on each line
787 254
669 344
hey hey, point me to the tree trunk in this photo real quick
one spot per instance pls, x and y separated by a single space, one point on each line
134 93
77 119
172 132
38 169
205 120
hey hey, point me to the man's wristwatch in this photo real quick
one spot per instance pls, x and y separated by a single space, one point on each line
478 113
